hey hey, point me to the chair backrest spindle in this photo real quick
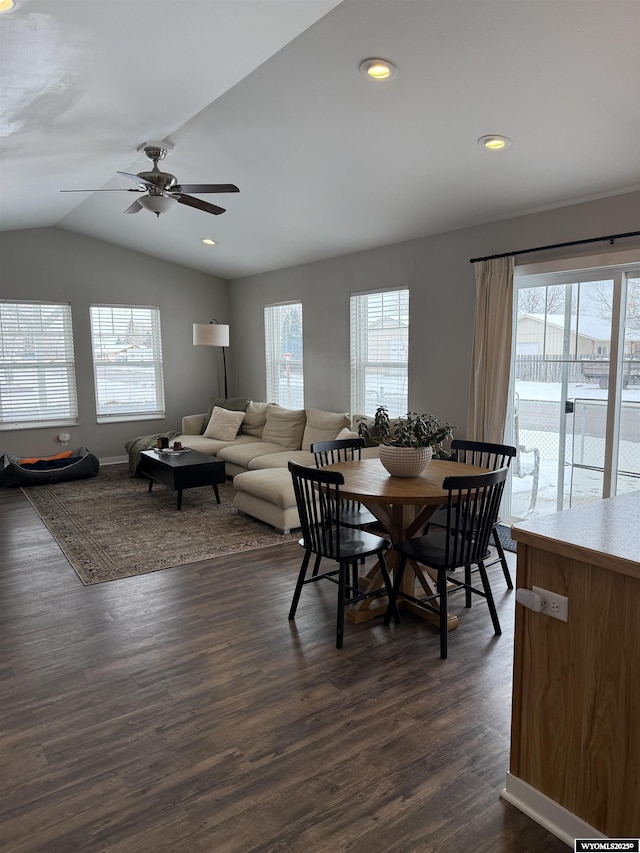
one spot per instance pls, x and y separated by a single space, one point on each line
472 509
318 498
483 454
337 450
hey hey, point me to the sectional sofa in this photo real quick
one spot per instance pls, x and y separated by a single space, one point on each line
256 446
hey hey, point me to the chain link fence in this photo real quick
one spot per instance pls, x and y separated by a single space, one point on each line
581 447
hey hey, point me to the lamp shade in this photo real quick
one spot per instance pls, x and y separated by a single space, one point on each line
210 334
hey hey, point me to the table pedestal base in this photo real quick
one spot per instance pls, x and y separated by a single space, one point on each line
415 582
379 608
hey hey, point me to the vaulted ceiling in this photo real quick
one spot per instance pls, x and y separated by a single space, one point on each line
267 94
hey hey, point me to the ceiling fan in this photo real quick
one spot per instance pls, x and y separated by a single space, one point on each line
161 189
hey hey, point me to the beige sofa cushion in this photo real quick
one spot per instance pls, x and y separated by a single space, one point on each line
281 460
255 418
211 446
276 487
282 518
194 424
224 424
241 454
284 427
323 426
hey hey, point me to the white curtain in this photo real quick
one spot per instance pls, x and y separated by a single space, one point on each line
489 389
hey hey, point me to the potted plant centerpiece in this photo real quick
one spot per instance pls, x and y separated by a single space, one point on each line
406 450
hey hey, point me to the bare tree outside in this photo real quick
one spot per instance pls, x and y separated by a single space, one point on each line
603 299
541 300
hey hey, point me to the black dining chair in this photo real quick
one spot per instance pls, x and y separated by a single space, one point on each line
352 513
323 534
485 455
472 508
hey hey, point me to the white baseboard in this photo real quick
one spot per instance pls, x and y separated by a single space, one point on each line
114 460
545 811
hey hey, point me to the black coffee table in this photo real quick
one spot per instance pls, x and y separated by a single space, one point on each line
182 471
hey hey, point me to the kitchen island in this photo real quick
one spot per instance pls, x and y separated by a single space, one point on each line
575 732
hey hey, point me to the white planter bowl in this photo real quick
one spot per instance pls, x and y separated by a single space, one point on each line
405 461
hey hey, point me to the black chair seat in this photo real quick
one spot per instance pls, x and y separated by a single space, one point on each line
430 549
356 516
354 545
439 518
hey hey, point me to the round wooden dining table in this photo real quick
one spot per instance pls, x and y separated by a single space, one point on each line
403 506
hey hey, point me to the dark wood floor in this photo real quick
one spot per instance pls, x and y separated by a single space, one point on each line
181 711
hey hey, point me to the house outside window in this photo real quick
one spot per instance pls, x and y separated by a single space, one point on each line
283 354
37 370
127 362
380 351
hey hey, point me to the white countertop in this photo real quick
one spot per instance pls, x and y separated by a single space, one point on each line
605 533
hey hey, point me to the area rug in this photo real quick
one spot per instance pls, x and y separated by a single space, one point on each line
111 527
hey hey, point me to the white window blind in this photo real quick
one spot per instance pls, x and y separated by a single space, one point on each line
283 353
127 362
379 351
37 374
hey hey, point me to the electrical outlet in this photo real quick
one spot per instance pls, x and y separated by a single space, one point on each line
553 604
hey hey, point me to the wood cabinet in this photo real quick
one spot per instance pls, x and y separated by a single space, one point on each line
575 734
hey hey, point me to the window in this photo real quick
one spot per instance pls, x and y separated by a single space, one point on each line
379 351
37 375
127 362
576 398
283 351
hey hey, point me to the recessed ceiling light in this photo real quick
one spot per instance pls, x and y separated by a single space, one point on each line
6 5
494 142
378 69
208 241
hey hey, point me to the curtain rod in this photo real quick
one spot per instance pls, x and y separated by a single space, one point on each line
611 238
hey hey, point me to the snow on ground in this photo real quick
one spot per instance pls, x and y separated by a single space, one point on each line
550 391
579 485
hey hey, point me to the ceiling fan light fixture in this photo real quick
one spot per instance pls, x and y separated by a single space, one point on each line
7 5
158 203
378 69
494 142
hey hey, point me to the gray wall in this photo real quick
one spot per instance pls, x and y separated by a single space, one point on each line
56 265
53 264
442 302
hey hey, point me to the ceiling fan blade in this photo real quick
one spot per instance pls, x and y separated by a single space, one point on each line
200 205
133 208
143 182
206 188
116 190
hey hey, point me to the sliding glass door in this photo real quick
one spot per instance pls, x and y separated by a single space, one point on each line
575 378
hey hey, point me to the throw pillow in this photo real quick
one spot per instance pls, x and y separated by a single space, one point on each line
323 426
347 433
224 424
233 404
255 418
284 427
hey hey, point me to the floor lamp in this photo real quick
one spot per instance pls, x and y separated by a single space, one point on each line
213 334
